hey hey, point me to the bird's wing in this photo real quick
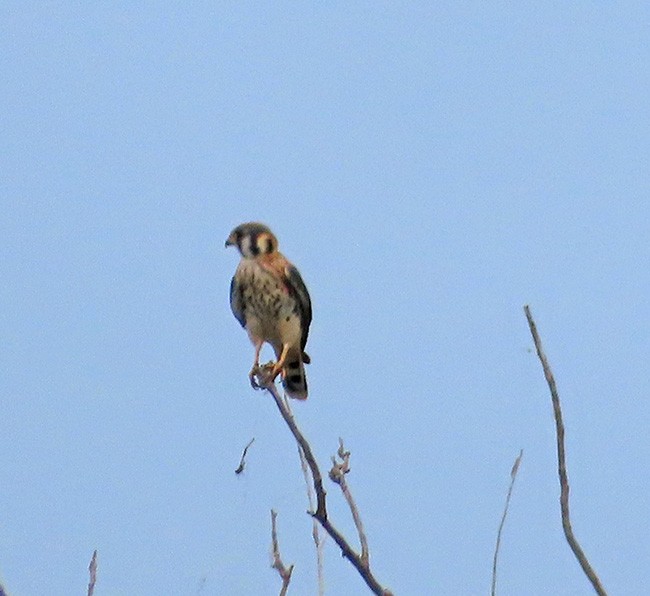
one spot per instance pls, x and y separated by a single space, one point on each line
236 302
299 291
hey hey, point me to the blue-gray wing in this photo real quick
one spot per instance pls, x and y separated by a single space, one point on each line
236 301
299 291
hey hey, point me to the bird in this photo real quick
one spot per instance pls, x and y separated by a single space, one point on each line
271 302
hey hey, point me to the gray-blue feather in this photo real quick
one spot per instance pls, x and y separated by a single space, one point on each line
298 289
236 302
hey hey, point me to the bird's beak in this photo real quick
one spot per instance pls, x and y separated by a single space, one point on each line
230 241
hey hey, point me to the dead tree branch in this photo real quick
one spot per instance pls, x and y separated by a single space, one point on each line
513 475
337 474
311 498
321 506
561 458
315 532
92 570
242 461
285 572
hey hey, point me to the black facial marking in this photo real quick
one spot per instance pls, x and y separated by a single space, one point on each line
269 245
254 248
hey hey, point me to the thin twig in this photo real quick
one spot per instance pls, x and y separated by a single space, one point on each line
242 461
285 572
92 570
321 509
513 475
2 591
561 459
337 474
315 532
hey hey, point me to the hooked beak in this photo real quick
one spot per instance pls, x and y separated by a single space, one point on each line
230 241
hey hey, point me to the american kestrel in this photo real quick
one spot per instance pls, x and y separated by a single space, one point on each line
270 301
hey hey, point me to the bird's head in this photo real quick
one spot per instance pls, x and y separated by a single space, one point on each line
252 239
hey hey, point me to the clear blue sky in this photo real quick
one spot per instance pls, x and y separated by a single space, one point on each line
430 167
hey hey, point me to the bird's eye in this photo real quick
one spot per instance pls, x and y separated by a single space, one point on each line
254 247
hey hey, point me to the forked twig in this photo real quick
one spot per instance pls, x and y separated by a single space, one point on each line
513 475
92 570
285 572
561 461
321 507
337 474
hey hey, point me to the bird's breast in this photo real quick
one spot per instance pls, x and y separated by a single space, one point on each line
271 312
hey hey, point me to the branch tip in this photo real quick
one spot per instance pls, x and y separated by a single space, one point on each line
92 571
561 460
513 475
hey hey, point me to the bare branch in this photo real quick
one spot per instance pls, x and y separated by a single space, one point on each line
265 383
285 572
561 460
311 498
513 475
92 569
337 474
242 461
315 532
2 591
321 507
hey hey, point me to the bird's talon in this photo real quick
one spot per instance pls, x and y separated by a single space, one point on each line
252 376
262 375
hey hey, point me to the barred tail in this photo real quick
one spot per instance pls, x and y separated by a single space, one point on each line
294 379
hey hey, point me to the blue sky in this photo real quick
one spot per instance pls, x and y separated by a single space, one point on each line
430 168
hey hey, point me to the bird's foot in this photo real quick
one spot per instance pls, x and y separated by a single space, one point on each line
276 370
262 375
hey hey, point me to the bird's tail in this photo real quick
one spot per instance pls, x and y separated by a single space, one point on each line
294 379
